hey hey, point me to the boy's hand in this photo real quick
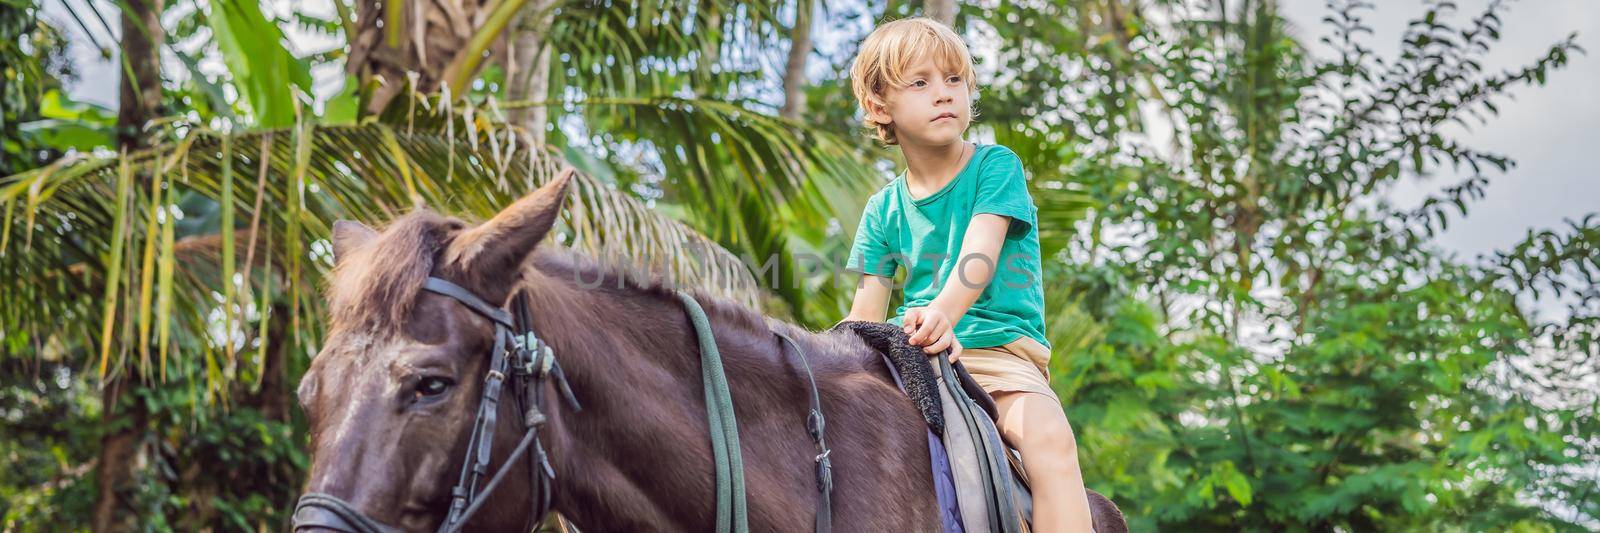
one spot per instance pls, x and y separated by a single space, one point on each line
933 330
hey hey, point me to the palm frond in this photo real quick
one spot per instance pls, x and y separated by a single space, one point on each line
771 190
631 47
82 237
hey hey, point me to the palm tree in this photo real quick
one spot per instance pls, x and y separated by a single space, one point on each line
450 155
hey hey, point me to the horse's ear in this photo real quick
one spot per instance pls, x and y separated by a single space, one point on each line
349 235
490 256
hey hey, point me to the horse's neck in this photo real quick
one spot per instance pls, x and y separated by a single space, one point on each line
613 340
639 443
637 457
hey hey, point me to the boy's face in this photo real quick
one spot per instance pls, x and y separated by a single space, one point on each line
934 108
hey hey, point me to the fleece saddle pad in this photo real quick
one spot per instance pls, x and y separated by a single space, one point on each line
975 474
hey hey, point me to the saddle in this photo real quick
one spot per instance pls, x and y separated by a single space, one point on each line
979 479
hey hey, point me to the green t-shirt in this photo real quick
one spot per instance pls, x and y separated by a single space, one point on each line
925 237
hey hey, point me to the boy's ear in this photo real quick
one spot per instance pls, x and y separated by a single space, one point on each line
878 112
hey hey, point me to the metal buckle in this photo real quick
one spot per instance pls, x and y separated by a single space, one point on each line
547 359
535 356
458 503
527 340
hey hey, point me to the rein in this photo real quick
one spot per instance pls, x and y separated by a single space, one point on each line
518 352
731 512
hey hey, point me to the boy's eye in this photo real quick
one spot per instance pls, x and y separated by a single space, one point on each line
918 83
954 79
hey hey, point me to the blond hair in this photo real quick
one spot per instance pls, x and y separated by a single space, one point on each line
891 50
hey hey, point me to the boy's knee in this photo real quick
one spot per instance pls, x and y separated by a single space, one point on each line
1057 436
1053 443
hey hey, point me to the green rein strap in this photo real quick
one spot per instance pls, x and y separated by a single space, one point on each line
731 513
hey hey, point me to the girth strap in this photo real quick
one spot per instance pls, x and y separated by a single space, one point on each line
731 512
995 471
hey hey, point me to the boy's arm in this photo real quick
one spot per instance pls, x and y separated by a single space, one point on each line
980 247
871 303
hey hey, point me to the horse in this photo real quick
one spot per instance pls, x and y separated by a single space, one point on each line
391 394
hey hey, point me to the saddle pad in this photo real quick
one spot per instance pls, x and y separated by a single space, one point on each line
909 363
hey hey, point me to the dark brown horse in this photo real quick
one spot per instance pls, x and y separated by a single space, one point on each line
392 394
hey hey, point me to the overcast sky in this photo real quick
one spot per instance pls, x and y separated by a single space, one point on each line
1551 131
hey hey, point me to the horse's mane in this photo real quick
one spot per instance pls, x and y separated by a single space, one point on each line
377 286
625 277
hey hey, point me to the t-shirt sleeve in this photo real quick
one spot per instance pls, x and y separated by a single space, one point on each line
870 252
1003 190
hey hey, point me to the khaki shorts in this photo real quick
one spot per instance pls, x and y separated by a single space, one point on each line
1020 365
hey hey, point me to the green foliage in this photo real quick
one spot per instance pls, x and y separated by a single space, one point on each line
1268 344
267 75
33 128
659 96
67 125
760 186
47 459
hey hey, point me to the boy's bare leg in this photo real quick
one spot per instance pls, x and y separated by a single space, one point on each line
1036 426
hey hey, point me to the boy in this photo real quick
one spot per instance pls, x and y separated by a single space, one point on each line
914 80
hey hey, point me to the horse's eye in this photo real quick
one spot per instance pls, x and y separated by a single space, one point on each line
432 386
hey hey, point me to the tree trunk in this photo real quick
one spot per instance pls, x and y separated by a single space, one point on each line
528 69
941 10
432 41
420 41
794 74
123 423
118 458
272 397
140 98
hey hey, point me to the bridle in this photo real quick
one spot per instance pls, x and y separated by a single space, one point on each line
517 353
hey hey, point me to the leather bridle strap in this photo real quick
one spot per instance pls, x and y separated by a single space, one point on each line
815 425
522 447
495 314
481 443
329 512
465 497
